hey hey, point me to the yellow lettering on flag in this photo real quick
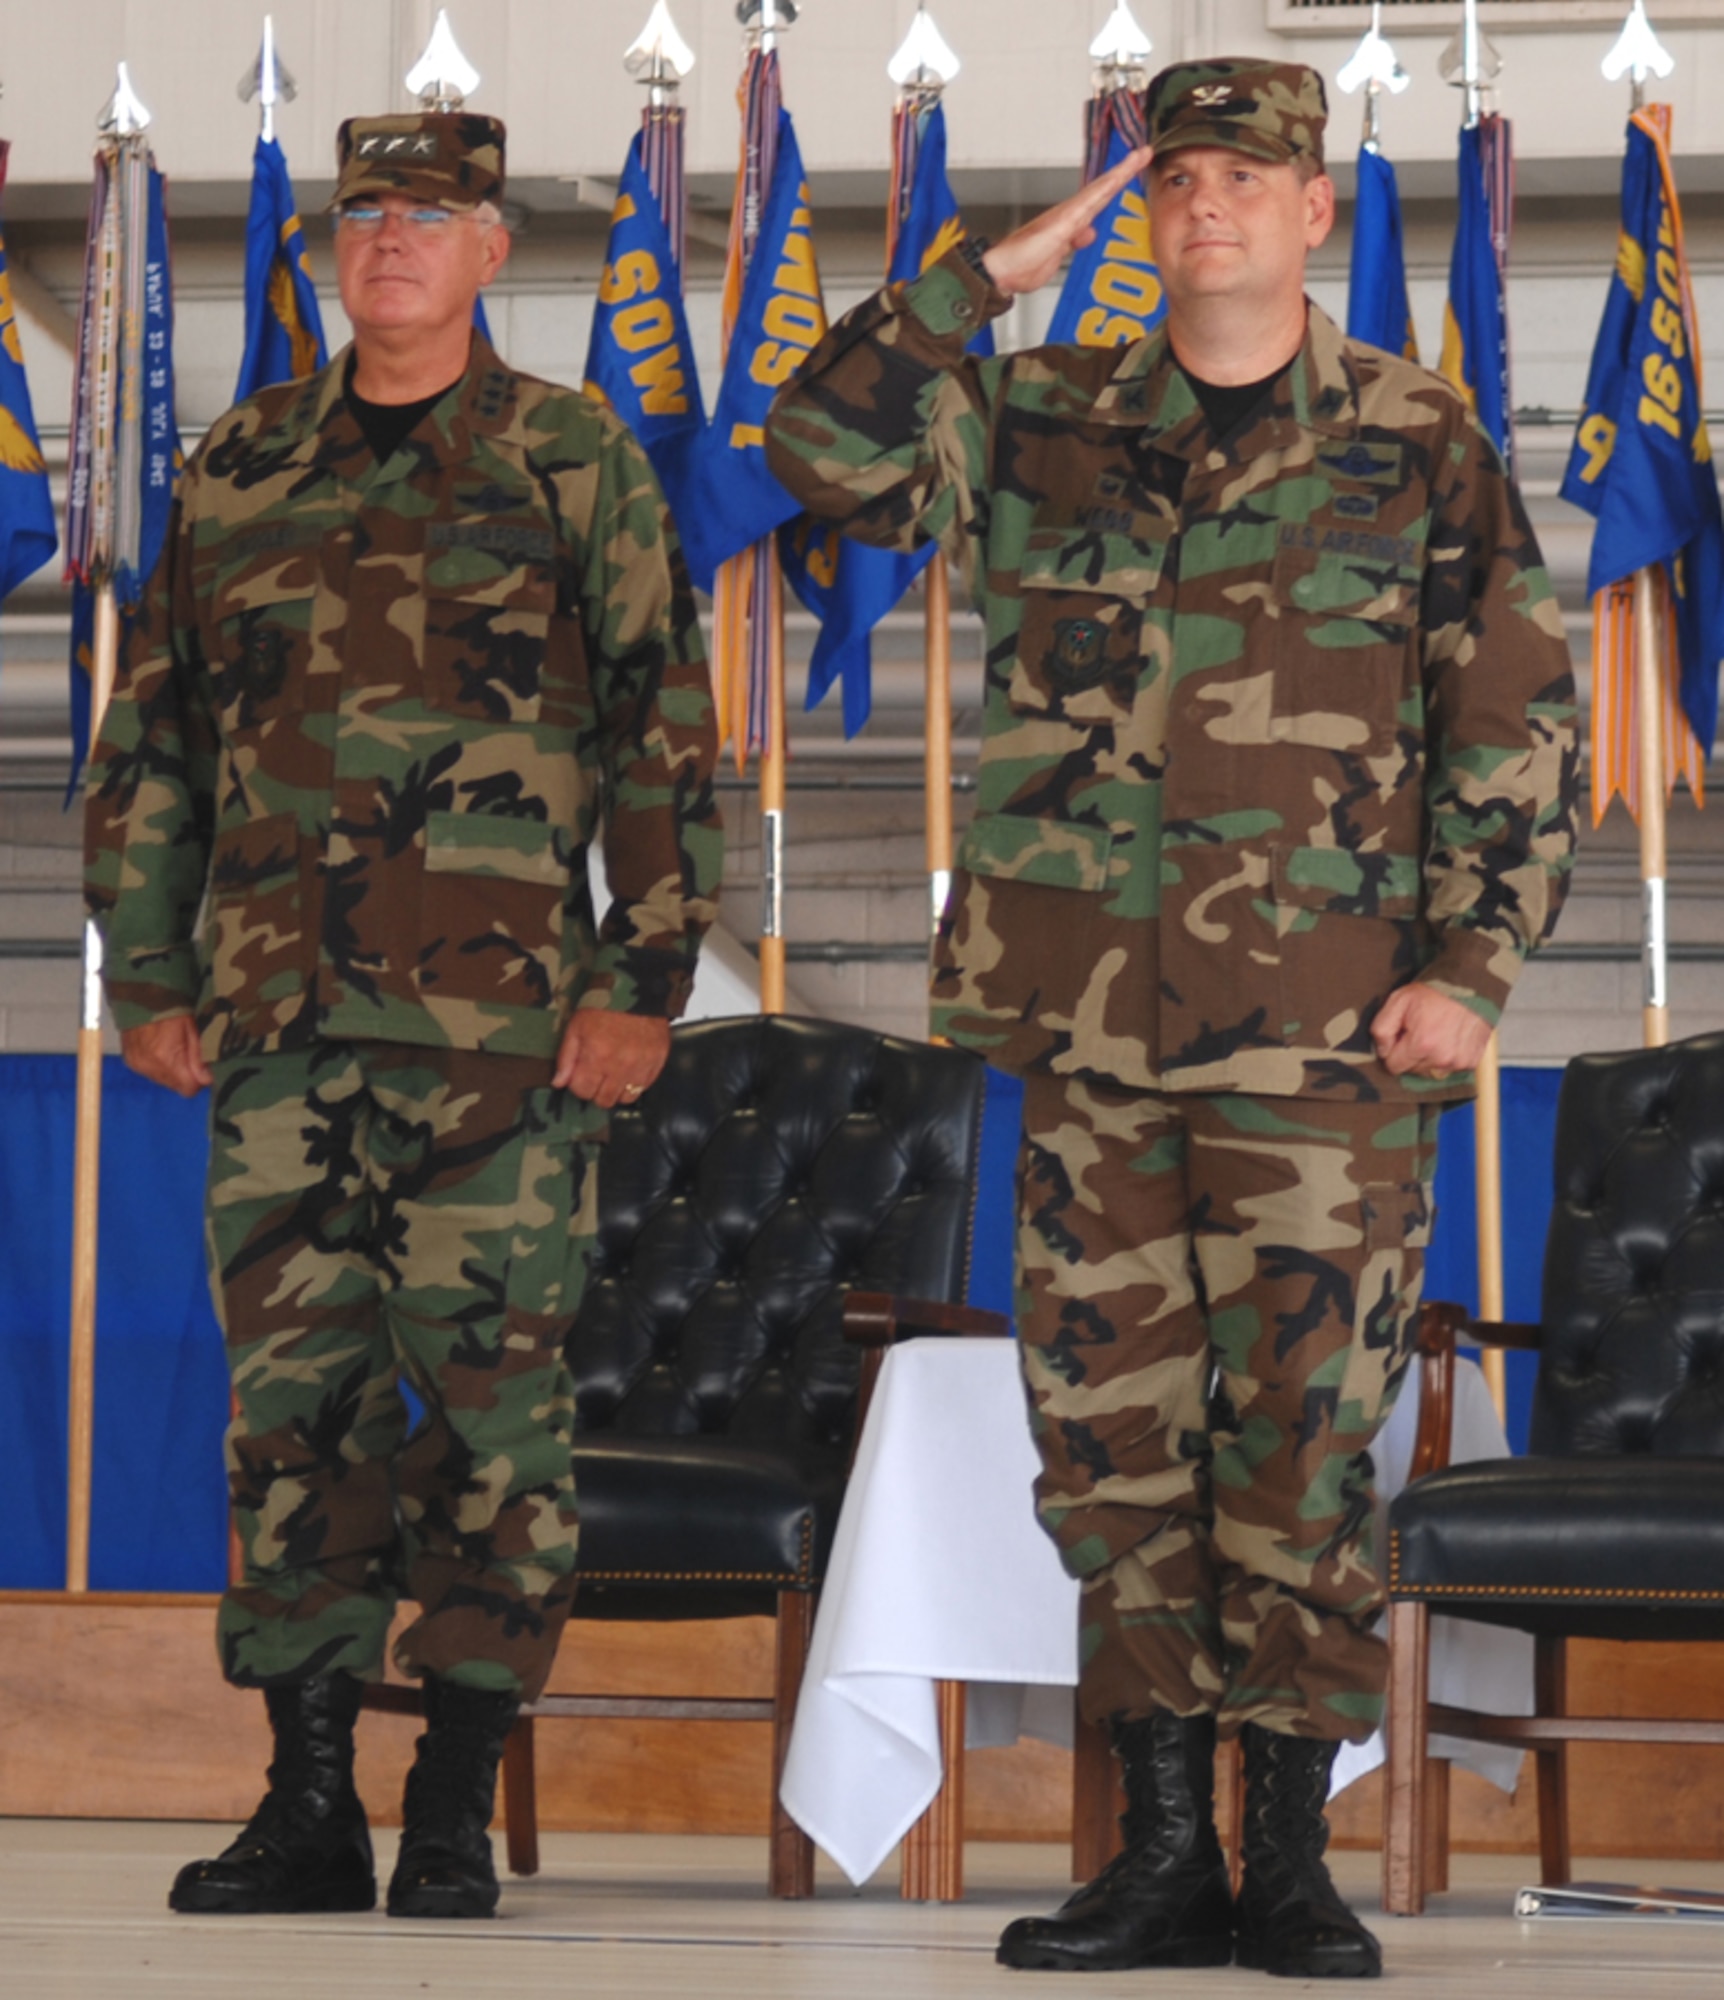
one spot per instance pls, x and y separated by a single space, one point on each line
1598 435
662 384
1126 286
794 316
634 273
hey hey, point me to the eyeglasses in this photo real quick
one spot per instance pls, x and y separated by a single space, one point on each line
366 219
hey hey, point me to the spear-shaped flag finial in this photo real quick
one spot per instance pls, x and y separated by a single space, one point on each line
659 57
926 61
442 79
1373 67
1122 50
269 80
125 114
1637 53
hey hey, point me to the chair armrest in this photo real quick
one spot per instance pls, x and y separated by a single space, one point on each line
1444 1325
878 1319
1516 1333
875 1321
1440 1320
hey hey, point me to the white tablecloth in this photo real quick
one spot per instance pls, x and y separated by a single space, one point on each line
940 1572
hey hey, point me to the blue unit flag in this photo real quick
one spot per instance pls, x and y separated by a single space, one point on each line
1475 320
1377 305
1642 459
27 537
847 585
1112 292
733 498
640 359
283 328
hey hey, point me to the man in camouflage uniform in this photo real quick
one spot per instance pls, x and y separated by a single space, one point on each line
420 620
1275 796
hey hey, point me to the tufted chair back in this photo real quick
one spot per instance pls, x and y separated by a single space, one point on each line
1632 1354
1612 1527
775 1166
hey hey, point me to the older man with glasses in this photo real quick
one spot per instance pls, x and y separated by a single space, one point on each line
420 619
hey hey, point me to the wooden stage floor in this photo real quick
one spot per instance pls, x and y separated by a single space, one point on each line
82 1914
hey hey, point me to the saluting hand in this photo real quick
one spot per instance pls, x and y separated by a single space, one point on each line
1421 1032
1030 256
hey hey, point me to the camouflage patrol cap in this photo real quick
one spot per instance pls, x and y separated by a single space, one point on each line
451 158
1271 111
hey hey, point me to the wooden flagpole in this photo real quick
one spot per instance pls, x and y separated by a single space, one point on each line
1487 1101
122 127
937 734
86 1168
1650 762
1649 771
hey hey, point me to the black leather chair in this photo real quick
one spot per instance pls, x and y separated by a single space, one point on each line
781 1177
1613 1526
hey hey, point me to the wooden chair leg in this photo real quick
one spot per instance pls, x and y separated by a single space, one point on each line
1550 1697
1436 1826
1404 1821
1097 1800
931 1862
521 1799
1230 1807
790 1864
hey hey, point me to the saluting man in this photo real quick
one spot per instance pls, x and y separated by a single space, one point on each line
419 621
1276 794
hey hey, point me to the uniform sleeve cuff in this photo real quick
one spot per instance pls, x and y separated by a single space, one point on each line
632 980
1477 968
952 299
146 986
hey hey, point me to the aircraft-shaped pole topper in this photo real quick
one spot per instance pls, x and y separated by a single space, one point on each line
1121 52
1637 54
926 61
1373 67
125 115
269 80
765 19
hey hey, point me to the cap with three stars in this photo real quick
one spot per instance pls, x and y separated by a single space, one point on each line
453 159
1270 111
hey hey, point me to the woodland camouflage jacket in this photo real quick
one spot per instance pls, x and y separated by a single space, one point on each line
372 713
1272 726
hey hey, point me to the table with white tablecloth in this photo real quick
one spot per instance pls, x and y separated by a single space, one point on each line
941 1573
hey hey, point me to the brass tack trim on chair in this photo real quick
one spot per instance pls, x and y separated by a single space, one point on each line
689 1576
802 1575
1539 1589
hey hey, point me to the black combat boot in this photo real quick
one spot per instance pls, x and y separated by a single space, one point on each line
307 1846
1164 1901
1291 1918
445 1867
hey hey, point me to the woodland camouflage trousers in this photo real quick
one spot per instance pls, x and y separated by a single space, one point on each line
382 1215
1216 1300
